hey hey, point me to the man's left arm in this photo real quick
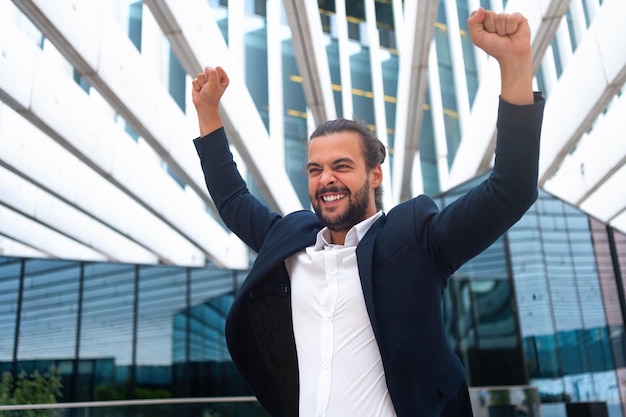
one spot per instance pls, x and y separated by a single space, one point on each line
473 222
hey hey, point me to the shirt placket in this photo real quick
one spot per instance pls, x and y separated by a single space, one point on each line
328 302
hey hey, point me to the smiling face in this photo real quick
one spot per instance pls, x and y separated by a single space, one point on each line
341 188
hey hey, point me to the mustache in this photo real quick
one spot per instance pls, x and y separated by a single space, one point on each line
331 190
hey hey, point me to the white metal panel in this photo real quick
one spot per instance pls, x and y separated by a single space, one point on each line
438 122
475 151
17 61
33 234
612 45
26 198
75 24
583 90
609 199
11 247
458 65
412 81
596 156
275 37
199 42
123 78
376 73
51 167
58 104
619 222
345 75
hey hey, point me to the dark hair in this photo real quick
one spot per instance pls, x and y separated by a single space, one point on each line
374 151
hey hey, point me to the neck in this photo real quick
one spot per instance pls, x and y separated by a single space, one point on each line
338 238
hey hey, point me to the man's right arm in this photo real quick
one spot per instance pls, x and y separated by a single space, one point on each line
242 213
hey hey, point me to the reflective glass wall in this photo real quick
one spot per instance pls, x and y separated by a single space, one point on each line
544 305
118 331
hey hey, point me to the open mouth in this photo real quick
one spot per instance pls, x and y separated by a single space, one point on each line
333 197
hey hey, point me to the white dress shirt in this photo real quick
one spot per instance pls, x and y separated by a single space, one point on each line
340 368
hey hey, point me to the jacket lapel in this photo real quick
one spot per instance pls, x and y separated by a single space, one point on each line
364 253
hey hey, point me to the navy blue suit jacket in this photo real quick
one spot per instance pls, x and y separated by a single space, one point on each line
404 262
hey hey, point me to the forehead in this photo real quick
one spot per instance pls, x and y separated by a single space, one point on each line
335 146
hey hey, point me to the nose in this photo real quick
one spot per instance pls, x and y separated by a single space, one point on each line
327 177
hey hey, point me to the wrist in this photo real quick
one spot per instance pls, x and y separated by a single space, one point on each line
517 81
209 120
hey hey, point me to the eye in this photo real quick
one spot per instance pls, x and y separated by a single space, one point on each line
314 172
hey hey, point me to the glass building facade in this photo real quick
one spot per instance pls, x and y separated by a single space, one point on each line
543 306
116 269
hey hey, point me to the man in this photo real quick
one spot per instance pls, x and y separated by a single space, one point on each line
341 312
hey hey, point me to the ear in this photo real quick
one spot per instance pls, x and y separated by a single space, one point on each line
376 176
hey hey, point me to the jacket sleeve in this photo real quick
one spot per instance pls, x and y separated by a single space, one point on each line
242 213
470 224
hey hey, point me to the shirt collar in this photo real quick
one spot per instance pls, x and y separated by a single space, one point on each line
353 237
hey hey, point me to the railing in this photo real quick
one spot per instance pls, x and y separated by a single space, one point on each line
486 401
177 407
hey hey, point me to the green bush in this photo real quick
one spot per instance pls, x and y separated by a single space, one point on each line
30 389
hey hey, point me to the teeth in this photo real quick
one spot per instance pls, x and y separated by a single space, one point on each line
336 197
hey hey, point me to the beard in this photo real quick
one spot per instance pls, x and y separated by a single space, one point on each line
356 211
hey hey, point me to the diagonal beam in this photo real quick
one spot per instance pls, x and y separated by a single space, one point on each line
599 64
309 48
475 153
419 26
198 42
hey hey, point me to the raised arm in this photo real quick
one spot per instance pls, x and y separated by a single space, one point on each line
506 37
206 92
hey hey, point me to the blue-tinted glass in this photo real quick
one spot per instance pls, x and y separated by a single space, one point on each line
135 16
256 71
541 356
177 81
49 310
9 291
598 344
572 351
617 337
107 327
296 156
469 51
295 102
362 86
428 154
390 86
332 51
162 294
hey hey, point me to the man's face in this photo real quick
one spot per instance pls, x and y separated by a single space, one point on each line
340 187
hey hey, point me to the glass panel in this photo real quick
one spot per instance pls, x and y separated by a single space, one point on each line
597 341
541 356
362 86
162 294
10 270
573 355
256 70
49 311
107 330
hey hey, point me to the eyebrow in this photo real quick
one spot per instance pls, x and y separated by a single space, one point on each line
335 162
